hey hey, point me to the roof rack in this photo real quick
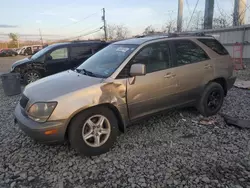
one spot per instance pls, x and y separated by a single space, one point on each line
97 40
200 34
169 35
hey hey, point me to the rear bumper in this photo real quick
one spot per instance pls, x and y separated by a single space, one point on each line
37 130
230 82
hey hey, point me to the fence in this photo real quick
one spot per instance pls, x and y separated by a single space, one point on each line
3 45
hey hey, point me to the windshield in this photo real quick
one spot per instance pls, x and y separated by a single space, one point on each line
106 61
41 52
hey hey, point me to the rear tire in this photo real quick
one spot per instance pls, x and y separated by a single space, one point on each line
85 141
211 100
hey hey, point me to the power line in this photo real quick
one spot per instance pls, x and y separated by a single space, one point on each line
89 33
223 14
193 13
80 31
80 20
189 11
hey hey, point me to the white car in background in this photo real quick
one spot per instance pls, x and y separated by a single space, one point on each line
29 50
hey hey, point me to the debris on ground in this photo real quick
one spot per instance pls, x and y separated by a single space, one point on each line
206 121
240 123
243 84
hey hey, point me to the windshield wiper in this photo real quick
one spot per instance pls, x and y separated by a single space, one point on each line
88 73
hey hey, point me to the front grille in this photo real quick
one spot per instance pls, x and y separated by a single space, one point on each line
23 101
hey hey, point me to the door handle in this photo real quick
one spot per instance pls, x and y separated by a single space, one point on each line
208 66
169 75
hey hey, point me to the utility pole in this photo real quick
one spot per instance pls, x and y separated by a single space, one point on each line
209 14
239 12
180 14
41 37
104 24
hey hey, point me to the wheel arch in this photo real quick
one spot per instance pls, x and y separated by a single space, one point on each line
114 109
222 81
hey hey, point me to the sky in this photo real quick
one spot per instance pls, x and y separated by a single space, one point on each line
61 19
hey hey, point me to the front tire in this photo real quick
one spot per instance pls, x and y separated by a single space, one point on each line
211 100
31 76
93 132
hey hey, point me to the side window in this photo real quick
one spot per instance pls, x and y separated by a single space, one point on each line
61 53
156 57
188 52
215 46
78 52
98 47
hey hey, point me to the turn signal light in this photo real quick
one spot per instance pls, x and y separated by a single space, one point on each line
53 131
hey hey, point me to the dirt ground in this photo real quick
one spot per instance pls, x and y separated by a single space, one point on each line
6 62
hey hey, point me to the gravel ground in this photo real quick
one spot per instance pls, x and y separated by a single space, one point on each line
244 74
6 62
168 150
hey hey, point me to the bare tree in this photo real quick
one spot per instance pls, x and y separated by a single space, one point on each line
117 32
149 30
121 32
196 22
169 27
221 22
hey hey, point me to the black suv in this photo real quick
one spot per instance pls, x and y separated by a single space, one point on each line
56 58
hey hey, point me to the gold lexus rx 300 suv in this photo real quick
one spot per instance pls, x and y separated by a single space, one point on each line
124 82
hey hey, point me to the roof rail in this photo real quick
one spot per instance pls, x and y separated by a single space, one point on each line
151 35
97 40
200 34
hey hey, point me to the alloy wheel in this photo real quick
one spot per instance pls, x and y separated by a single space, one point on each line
96 130
32 76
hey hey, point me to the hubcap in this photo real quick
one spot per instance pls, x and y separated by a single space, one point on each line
214 100
32 76
96 130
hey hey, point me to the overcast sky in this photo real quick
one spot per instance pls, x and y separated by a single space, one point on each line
64 18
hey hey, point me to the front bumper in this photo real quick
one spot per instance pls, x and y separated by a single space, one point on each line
230 82
37 130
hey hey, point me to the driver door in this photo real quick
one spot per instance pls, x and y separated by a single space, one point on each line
156 90
57 61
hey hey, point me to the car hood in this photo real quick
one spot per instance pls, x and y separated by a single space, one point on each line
22 61
52 87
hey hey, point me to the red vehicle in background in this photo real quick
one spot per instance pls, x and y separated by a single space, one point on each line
7 53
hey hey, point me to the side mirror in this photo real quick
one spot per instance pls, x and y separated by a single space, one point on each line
48 58
137 70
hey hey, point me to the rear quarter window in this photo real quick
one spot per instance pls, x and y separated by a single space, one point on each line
81 51
214 45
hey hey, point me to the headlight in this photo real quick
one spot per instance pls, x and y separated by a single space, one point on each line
40 112
12 68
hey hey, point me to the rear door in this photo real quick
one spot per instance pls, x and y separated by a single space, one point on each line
193 69
57 60
80 53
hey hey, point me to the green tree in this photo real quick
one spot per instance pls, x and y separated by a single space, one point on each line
14 40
